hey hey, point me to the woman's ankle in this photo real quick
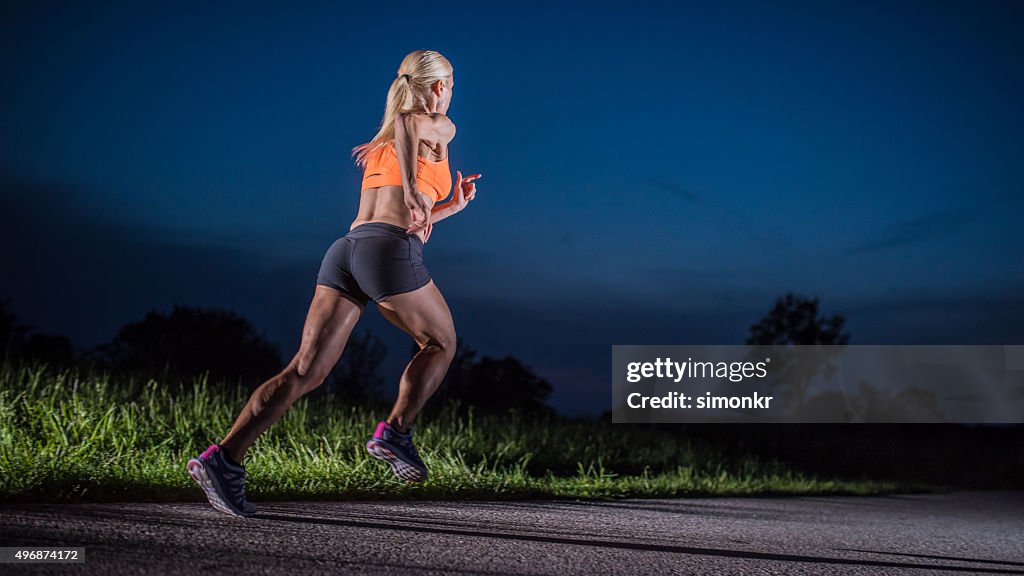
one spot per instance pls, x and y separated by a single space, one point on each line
393 422
230 455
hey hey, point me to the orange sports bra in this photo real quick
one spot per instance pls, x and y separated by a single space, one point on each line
432 178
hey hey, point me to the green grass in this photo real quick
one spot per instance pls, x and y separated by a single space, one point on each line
73 435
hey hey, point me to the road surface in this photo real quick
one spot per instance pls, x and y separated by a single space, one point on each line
956 533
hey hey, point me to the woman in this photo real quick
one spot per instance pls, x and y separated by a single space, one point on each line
380 258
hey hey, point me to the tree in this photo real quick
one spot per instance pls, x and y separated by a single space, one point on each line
20 340
491 384
12 332
499 384
188 342
50 348
794 321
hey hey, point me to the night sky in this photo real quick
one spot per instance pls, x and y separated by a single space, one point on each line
653 173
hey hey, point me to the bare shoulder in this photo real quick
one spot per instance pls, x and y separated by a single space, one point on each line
445 127
433 127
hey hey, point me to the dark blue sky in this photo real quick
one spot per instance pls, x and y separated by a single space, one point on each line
652 172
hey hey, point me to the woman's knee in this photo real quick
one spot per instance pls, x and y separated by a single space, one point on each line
443 340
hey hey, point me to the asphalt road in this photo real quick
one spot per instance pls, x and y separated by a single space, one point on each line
957 533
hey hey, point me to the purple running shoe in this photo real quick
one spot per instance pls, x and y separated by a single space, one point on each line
223 482
397 450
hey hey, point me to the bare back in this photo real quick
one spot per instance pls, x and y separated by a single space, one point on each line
387 203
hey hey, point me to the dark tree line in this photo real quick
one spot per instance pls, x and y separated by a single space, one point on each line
19 340
189 342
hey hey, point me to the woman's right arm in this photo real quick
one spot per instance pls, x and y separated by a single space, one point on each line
407 137
410 128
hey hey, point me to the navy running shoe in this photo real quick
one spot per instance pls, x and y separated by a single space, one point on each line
397 450
223 482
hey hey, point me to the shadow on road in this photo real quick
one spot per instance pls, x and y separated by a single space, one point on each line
933 557
634 545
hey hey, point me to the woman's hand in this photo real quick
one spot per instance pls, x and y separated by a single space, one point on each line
428 228
418 211
465 190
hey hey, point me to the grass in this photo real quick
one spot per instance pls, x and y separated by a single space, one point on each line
73 435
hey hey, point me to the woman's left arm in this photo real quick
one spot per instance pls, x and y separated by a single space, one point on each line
465 190
441 211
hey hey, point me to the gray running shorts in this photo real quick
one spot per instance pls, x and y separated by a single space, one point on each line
374 260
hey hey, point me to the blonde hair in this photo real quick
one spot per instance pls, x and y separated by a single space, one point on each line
417 72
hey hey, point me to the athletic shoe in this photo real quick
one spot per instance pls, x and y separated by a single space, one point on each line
397 450
223 482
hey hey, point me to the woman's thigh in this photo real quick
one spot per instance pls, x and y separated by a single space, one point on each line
332 316
422 313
